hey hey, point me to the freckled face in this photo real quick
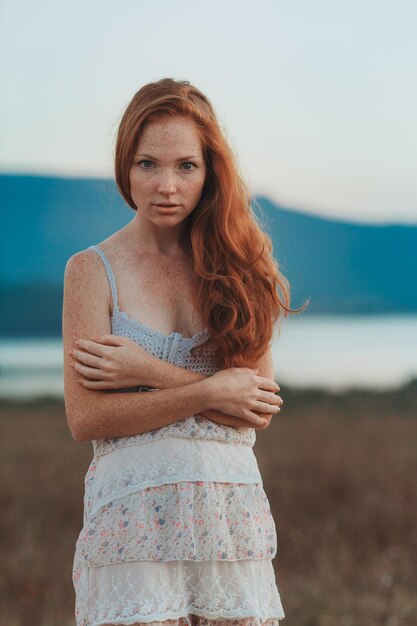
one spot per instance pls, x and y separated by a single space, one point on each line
168 168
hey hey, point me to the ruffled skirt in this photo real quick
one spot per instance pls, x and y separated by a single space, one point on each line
191 551
148 591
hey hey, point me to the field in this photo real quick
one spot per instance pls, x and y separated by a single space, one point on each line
340 474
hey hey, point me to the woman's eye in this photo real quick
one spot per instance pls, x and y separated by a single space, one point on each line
145 162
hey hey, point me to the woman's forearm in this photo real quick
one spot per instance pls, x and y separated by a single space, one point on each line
112 415
168 375
164 375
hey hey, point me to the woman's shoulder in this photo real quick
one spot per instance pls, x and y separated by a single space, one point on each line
85 267
85 283
82 261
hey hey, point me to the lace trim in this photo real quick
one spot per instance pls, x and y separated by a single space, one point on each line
195 620
148 591
171 460
193 427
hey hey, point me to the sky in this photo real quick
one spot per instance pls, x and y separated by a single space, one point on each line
317 99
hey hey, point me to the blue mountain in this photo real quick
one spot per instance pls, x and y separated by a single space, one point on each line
343 267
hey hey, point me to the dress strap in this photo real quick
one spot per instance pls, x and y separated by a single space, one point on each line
110 275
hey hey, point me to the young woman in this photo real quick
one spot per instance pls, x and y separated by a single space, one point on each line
180 302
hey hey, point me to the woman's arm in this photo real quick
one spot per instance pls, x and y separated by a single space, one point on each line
123 363
92 414
168 376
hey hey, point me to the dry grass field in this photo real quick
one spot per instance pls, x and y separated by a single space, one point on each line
339 471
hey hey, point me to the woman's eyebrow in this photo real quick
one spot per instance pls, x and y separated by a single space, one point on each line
148 156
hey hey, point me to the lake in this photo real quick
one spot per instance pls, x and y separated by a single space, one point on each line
327 352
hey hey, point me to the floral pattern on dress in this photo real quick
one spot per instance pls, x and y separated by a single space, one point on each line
187 520
165 461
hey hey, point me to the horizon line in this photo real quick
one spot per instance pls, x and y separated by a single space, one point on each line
281 204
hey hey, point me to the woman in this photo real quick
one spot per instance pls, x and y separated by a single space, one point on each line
177 525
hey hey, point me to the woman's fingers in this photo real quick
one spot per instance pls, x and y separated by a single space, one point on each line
98 345
264 407
86 358
254 418
109 340
89 372
271 398
267 384
94 384
91 346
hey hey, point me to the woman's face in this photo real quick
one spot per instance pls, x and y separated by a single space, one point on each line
168 168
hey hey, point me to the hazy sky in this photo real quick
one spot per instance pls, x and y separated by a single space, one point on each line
318 98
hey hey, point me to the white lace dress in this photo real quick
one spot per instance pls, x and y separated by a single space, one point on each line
177 525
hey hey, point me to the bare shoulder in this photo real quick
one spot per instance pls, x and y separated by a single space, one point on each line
86 287
84 267
82 258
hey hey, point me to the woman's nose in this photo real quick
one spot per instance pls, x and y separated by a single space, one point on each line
166 183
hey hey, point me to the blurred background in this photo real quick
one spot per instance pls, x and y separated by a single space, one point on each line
318 101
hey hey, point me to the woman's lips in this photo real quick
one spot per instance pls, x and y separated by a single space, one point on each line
169 208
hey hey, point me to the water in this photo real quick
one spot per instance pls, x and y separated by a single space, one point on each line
327 352
375 352
31 368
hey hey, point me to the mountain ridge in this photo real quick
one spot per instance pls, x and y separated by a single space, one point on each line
344 267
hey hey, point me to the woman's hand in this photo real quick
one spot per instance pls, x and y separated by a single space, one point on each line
236 422
240 392
112 362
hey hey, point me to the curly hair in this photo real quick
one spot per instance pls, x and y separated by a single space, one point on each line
240 291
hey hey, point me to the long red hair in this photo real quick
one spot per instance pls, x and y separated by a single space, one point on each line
240 291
